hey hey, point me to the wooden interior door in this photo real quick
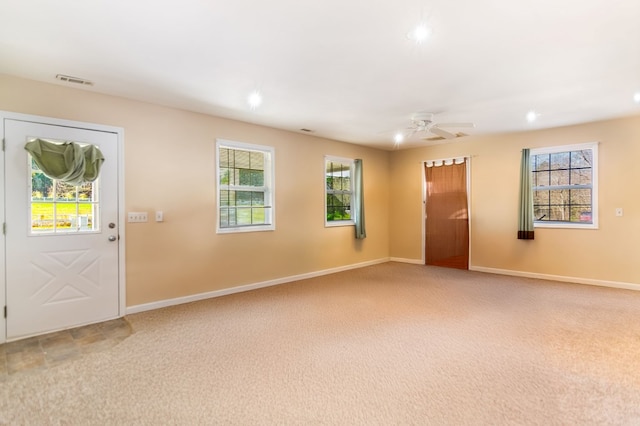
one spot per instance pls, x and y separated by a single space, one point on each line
447 215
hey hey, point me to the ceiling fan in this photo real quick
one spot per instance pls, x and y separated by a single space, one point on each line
424 122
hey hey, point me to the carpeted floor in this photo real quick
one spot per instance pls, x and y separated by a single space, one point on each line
387 344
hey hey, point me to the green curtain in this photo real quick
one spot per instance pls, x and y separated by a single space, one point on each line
525 210
68 161
358 200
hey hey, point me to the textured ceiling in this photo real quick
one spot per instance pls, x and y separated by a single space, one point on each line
344 69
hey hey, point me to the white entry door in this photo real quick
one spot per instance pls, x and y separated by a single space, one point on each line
61 240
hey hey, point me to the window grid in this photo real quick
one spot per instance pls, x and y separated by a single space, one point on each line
339 190
60 208
563 186
244 192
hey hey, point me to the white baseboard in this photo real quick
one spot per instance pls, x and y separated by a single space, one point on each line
403 260
588 281
224 292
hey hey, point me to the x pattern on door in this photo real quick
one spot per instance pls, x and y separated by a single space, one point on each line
60 277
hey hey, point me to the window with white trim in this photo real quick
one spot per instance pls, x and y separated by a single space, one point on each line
338 191
245 195
61 208
565 186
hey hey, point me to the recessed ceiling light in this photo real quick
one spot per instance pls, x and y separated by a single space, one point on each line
255 99
420 33
636 97
532 116
398 138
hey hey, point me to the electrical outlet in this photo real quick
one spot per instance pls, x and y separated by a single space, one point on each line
137 217
619 212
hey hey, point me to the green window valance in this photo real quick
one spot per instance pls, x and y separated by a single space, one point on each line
69 162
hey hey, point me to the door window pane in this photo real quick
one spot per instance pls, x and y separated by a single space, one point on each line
60 208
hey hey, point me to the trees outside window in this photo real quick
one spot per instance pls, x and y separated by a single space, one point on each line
338 191
564 185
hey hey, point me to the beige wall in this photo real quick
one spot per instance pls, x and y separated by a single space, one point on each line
609 253
184 256
170 166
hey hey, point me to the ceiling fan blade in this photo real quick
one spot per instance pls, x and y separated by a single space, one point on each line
438 131
456 125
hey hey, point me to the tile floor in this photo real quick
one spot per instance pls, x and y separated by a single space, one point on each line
49 350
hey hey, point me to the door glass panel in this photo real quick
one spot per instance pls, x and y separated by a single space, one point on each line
65 191
60 208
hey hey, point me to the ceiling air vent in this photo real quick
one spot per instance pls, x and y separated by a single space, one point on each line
440 138
75 80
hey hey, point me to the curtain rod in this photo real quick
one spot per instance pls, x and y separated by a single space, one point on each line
460 157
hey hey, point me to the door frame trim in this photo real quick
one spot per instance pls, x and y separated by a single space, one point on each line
119 131
424 201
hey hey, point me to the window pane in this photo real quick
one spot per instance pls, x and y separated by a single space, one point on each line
541 213
42 217
84 220
64 191
224 198
582 158
559 196
257 199
257 178
583 214
541 178
540 197
257 161
243 215
345 183
241 159
223 158
329 182
244 176
541 162
41 186
559 177
581 196
224 176
243 198
559 213
257 215
232 216
85 192
224 217
559 160
581 177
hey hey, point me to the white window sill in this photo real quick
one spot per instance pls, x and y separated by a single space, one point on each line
335 223
564 225
239 229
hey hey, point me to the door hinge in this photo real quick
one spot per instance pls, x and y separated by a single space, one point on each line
4 228
5 311
3 144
